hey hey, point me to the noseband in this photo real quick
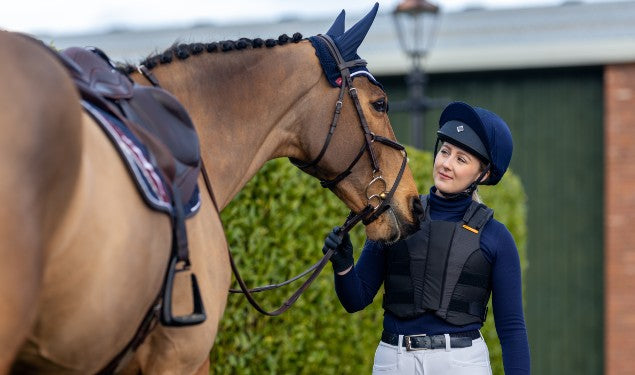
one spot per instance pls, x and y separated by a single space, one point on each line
371 212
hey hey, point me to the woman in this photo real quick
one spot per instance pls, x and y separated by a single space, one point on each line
437 282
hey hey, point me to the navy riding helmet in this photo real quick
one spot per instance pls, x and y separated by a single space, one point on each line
480 132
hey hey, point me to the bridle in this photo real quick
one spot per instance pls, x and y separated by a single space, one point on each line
371 212
367 215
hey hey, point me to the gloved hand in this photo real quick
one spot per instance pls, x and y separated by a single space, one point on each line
342 258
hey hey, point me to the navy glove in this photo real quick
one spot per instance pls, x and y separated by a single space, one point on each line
342 258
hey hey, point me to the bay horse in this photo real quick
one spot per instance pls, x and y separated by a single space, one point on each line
83 257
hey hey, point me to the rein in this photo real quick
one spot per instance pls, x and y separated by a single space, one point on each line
367 215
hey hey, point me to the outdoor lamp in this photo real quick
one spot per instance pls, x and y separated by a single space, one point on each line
416 22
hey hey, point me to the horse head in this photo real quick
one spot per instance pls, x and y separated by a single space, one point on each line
359 158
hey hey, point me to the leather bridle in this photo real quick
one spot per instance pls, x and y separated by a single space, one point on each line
371 212
368 214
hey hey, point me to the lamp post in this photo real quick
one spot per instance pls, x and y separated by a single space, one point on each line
416 22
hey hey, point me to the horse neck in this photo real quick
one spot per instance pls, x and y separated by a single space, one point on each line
246 105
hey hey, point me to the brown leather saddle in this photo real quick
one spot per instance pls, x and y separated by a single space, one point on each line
152 114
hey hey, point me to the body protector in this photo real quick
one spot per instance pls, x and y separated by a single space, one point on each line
440 269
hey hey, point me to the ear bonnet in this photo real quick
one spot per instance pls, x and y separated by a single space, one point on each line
347 42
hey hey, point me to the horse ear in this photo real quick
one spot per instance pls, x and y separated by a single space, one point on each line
337 28
353 37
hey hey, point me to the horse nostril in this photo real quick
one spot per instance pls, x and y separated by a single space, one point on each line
417 207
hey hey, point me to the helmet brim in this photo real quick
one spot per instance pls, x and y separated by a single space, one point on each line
462 135
463 112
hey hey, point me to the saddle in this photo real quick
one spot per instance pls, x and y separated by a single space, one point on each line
152 114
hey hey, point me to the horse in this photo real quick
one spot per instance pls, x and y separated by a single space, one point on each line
84 257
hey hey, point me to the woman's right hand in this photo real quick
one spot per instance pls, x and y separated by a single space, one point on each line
342 258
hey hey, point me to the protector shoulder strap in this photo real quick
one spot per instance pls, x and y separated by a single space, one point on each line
476 216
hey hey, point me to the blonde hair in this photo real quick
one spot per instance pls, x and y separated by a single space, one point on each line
476 197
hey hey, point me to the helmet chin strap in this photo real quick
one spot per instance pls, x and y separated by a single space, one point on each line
469 190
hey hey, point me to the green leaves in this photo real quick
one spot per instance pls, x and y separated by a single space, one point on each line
276 227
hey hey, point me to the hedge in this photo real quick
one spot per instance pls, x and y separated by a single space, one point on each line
276 227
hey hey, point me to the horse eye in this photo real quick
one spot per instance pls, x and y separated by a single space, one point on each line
380 105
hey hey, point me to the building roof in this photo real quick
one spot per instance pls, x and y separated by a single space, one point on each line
572 34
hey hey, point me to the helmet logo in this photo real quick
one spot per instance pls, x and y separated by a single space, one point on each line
459 128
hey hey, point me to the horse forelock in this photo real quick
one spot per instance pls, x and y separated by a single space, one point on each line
182 51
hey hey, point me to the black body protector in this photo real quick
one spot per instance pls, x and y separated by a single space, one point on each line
440 269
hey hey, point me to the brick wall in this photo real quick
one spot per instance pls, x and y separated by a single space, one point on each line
619 219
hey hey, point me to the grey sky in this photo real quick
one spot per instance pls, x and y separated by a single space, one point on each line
81 16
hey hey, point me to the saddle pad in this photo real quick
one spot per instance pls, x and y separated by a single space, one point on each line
138 160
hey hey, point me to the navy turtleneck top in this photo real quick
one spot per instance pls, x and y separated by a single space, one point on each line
357 288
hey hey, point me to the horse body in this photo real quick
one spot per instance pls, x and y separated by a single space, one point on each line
75 234
84 257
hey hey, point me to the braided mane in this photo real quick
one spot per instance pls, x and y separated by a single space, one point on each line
183 51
